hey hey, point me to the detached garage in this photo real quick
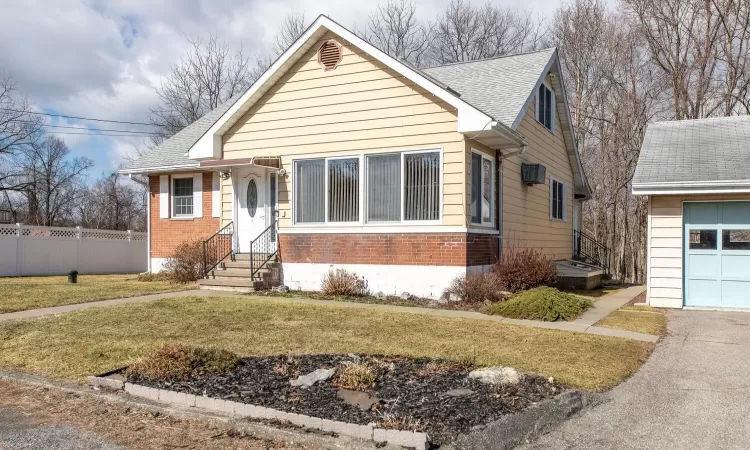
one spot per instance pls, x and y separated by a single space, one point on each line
696 174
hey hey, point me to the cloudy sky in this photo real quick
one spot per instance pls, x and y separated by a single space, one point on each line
103 58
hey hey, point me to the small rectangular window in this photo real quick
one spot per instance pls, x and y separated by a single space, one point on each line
309 191
482 188
182 197
735 239
702 239
557 200
545 113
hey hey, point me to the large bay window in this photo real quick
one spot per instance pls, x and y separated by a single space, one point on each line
394 187
482 189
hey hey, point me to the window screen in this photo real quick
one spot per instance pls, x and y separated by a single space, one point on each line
384 188
343 190
310 191
182 196
422 186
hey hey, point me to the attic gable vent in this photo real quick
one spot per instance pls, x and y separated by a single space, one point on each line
329 55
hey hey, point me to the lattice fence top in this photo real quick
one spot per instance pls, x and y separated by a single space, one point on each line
8 229
34 231
70 233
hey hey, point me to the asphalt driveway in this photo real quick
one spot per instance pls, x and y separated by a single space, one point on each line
693 393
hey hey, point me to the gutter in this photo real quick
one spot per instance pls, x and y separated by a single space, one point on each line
692 187
159 169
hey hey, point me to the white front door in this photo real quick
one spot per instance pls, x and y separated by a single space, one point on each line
250 199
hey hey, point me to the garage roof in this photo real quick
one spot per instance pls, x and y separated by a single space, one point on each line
695 156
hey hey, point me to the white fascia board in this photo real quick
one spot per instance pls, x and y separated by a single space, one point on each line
159 169
693 188
469 118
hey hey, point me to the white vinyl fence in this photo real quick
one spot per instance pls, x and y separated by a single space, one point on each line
32 250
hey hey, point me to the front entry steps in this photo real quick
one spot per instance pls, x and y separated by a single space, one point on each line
235 276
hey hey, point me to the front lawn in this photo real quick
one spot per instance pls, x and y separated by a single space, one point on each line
82 343
22 293
641 319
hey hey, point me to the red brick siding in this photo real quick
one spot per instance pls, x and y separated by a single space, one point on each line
481 249
166 234
426 249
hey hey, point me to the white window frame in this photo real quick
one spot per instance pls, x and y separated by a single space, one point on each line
552 190
362 222
173 196
493 199
552 108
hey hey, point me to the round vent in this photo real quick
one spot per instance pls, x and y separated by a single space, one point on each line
329 55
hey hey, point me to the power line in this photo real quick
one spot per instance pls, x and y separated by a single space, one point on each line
94 134
76 117
87 128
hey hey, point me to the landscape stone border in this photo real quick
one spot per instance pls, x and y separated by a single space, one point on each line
411 439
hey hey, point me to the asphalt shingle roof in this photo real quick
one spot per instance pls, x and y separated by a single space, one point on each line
702 150
498 86
173 151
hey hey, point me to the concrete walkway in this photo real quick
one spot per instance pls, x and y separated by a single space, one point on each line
32 313
585 324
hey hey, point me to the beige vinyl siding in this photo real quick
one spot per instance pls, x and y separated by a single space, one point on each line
360 107
226 201
526 209
665 246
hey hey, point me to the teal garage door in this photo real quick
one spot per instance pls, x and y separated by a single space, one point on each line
717 254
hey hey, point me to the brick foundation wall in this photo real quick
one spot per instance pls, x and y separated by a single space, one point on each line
167 234
481 249
424 249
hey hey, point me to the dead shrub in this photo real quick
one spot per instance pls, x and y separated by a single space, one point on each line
393 422
357 376
343 282
435 367
287 366
185 264
527 268
152 277
479 287
180 362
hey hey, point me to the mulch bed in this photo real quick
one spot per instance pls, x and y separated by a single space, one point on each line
641 298
411 392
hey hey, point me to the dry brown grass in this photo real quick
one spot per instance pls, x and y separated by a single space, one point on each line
23 293
180 362
121 424
355 375
92 341
640 319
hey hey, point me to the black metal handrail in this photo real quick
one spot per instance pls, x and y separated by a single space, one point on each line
587 249
217 248
263 249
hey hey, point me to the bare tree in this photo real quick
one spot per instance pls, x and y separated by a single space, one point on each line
209 74
395 29
466 32
18 129
113 203
290 30
53 181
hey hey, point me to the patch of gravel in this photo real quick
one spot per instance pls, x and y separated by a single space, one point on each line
413 394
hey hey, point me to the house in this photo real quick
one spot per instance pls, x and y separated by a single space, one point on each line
696 174
342 156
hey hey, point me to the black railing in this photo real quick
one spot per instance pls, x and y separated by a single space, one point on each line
587 249
263 249
217 248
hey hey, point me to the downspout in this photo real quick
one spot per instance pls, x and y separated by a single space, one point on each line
148 229
499 162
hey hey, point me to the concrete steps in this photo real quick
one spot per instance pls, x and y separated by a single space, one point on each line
235 276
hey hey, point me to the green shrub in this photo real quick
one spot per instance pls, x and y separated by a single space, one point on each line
542 303
527 268
477 287
179 362
342 282
185 264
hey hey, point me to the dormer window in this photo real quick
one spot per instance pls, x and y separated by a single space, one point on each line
545 106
